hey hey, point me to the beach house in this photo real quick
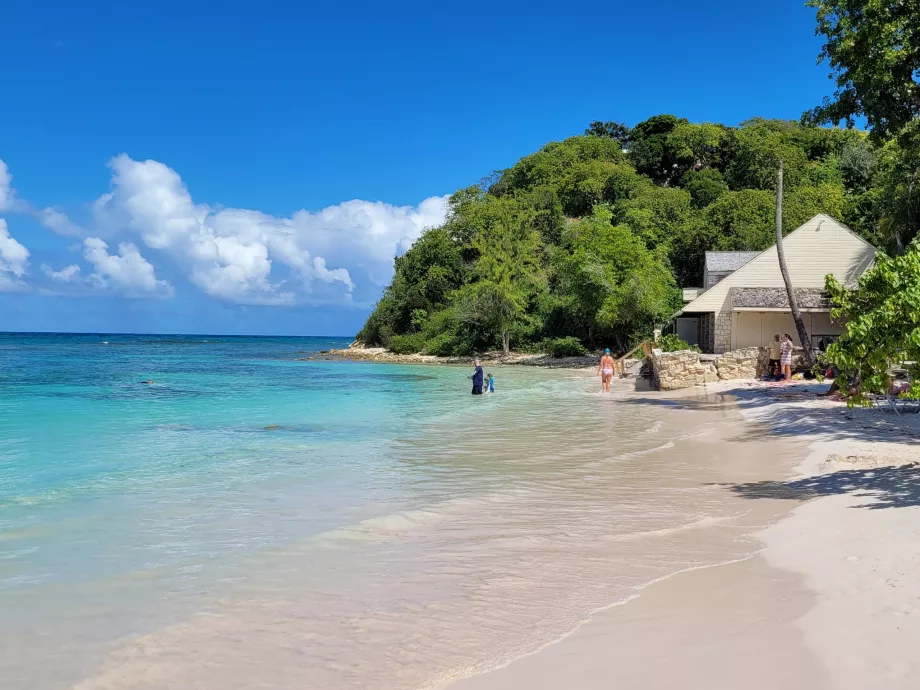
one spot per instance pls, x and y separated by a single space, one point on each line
743 301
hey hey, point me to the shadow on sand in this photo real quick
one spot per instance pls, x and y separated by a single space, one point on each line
888 487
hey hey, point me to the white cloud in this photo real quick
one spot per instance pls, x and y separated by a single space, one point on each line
58 222
6 187
126 272
68 274
14 260
237 255
231 253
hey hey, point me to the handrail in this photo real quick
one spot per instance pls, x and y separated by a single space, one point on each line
645 346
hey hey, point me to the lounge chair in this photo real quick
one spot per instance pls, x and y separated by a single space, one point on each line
893 400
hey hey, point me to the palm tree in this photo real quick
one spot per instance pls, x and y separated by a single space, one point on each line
793 304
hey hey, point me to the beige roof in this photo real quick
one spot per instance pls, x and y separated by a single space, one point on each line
820 247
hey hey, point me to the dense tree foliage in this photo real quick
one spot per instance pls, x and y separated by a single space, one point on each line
873 50
883 325
590 238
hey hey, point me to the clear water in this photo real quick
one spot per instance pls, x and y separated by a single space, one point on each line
253 520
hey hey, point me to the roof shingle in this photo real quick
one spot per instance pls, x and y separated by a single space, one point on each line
720 262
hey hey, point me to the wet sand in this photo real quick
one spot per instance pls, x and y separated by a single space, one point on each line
720 628
831 601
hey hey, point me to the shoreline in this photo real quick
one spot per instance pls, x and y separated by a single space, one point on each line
383 356
830 600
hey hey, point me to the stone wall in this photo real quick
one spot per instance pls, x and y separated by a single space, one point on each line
684 369
741 364
723 332
676 370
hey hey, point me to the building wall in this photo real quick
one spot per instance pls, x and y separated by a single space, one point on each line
722 340
819 247
715 277
756 329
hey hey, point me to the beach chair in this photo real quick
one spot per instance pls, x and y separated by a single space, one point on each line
893 400
899 404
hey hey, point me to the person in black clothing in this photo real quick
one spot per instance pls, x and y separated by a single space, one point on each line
477 378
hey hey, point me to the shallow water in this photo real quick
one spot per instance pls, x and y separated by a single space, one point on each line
251 520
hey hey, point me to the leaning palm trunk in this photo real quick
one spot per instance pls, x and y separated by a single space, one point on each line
793 303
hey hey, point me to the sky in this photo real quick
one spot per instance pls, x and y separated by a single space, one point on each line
253 167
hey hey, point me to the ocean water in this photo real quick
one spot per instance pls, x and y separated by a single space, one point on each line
251 519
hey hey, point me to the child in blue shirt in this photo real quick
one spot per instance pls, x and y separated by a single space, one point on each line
491 383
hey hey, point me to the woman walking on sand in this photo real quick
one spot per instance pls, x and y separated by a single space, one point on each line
785 357
606 367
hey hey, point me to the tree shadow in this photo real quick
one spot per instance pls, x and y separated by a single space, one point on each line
890 487
786 420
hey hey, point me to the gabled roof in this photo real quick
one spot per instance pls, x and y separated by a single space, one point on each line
819 247
720 262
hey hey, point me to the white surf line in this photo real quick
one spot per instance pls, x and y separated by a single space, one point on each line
472 673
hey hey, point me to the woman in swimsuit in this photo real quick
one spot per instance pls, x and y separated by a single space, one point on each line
605 368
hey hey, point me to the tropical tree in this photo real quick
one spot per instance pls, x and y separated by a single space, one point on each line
790 290
759 147
694 144
649 150
704 186
611 130
873 49
882 316
616 286
507 272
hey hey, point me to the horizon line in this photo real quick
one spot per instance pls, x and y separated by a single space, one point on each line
196 335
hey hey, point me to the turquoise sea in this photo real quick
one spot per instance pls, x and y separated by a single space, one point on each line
254 519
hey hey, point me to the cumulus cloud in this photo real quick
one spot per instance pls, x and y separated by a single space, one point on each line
232 253
68 274
127 271
14 260
237 255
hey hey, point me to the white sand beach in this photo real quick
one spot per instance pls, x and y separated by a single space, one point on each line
831 601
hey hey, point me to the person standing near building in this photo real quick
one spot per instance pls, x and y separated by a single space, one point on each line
775 353
785 357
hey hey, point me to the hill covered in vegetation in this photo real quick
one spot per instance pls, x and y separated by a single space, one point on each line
587 241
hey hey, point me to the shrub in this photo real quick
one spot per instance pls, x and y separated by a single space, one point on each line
672 343
407 344
563 347
443 345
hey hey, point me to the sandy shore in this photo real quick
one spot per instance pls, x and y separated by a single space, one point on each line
832 600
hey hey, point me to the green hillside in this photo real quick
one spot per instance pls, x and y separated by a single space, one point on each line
590 238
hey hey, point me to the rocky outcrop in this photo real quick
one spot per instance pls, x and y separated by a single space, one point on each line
380 354
359 353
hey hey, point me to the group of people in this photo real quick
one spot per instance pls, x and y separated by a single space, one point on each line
780 367
482 383
781 357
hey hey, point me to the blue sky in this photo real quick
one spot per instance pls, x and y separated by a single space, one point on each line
252 167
